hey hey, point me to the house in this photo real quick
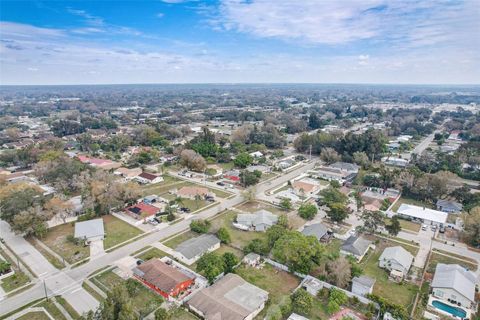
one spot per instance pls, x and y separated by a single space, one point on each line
394 161
295 316
163 278
285 163
422 215
230 298
362 285
288 194
146 178
192 249
190 192
127 174
339 171
252 259
449 206
396 259
305 187
142 210
259 167
356 246
256 154
317 230
258 221
232 175
345 167
90 230
454 285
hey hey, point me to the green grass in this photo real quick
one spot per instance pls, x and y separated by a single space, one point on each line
56 239
279 284
402 294
225 248
410 201
253 206
174 242
118 231
52 309
162 187
183 314
406 225
282 189
67 307
37 315
16 280
226 166
239 238
151 254
436 258
92 291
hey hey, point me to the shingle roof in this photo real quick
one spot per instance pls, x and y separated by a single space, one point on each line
89 229
318 230
399 254
229 298
160 274
364 281
454 276
452 205
356 245
148 176
259 217
345 166
196 246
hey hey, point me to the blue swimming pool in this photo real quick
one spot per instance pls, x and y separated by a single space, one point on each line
457 312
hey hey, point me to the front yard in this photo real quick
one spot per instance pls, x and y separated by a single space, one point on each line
437 258
406 225
118 231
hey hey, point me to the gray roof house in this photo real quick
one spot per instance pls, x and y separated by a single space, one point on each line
396 258
318 230
90 230
258 221
455 284
230 298
356 246
362 285
345 166
192 249
449 206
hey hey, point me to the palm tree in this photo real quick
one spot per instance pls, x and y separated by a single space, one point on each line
197 199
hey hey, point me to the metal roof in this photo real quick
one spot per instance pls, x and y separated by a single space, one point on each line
454 276
399 254
89 229
196 246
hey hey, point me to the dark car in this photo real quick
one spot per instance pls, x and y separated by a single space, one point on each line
185 209
220 183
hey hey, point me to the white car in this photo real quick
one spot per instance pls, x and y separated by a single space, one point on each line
424 227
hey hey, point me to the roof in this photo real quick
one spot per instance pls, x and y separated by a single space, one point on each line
364 281
295 316
252 256
161 275
307 187
142 207
454 276
345 166
399 254
356 245
452 205
317 229
422 213
89 229
230 298
196 246
192 191
257 218
148 176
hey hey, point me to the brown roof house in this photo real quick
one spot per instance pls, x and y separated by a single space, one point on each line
190 192
147 178
230 298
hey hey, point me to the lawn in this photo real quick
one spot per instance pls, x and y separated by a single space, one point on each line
67 307
118 231
225 248
37 315
401 294
436 258
152 253
279 284
239 238
52 310
144 301
183 314
56 239
406 225
50 257
162 187
17 279
174 242
253 206
410 201
282 189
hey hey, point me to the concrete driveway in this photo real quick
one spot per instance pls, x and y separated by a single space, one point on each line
96 248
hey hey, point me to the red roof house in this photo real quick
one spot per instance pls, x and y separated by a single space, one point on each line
142 210
163 278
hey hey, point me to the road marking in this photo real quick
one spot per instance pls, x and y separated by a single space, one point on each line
78 289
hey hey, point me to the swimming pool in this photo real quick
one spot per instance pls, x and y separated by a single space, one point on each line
457 312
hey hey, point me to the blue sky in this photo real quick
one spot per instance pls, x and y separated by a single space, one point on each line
233 41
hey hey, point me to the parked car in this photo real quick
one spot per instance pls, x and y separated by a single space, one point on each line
184 209
220 183
424 227
442 229
434 227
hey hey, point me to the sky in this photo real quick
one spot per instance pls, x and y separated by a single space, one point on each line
240 41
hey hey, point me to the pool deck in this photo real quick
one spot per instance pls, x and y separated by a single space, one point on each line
442 312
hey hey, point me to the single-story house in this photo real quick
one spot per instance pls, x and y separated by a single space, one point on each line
232 175
288 194
394 161
454 285
305 187
339 171
259 167
190 192
396 258
90 230
449 206
252 259
258 221
147 178
192 249
127 174
362 285
230 298
286 163
356 246
295 316
256 154
318 230
163 278
423 215
142 210
345 167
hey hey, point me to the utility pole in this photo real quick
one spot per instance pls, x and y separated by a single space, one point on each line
310 152
45 289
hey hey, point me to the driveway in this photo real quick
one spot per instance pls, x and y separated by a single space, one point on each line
96 248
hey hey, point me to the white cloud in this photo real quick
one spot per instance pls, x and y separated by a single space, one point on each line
160 15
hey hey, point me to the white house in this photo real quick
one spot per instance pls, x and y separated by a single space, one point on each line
191 250
396 258
423 215
258 221
147 178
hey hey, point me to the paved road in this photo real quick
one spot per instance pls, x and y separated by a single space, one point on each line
425 143
68 283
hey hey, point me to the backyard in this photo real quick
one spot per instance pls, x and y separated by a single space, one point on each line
410 201
279 284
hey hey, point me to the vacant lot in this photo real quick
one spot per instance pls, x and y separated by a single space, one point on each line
37 315
253 206
151 254
402 294
118 231
56 239
183 314
279 284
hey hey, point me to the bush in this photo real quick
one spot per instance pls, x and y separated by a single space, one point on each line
258 246
302 301
171 217
307 211
200 226
223 235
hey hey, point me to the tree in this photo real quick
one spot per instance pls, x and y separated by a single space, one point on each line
286 204
211 265
192 160
361 158
230 261
31 222
472 227
248 178
336 299
372 220
162 314
117 305
283 221
329 155
200 226
258 246
337 212
17 198
249 194
302 301
224 235
274 233
332 195
59 208
339 272
394 227
243 160
297 251
307 211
